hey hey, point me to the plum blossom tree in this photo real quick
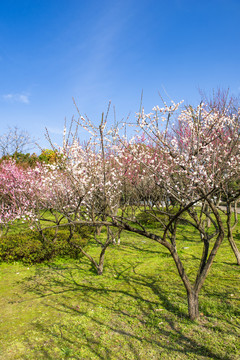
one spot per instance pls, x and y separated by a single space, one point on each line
193 161
18 188
74 190
82 188
11 177
224 103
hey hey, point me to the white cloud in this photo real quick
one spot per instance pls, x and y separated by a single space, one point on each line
55 131
22 98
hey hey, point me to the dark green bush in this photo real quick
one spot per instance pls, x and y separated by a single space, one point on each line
30 247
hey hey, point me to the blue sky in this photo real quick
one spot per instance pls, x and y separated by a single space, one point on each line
96 51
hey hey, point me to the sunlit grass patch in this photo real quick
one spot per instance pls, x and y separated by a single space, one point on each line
136 310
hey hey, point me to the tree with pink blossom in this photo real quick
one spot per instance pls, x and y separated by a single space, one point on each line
17 200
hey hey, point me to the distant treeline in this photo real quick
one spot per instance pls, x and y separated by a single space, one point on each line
47 156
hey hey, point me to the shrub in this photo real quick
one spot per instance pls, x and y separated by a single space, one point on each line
30 248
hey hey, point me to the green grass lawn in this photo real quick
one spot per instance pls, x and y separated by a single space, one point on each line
136 310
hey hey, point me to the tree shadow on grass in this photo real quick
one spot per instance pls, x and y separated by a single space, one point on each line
224 303
115 316
148 250
68 337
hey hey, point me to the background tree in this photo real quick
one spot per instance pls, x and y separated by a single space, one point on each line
15 141
225 103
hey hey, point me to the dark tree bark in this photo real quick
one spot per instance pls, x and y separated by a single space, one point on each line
230 229
193 306
207 259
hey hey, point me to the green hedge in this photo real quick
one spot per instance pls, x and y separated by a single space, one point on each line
30 247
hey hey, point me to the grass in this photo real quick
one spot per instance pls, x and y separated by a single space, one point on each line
137 310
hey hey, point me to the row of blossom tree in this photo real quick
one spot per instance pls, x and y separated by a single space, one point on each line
174 170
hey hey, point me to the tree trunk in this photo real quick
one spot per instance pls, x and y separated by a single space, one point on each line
193 308
234 248
192 295
208 221
101 261
100 270
230 231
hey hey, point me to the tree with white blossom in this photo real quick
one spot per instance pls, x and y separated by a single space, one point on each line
193 161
